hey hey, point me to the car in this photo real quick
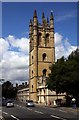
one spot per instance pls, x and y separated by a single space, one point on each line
9 103
30 103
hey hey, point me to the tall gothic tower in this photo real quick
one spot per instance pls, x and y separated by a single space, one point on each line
41 52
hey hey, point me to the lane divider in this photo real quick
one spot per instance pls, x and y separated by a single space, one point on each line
58 117
14 117
63 111
39 112
29 108
5 113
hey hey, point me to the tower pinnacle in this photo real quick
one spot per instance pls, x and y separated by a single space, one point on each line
51 15
43 15
35 13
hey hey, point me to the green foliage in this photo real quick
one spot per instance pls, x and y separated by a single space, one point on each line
64 76
8 91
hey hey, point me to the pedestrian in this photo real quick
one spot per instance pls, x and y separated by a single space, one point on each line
74 103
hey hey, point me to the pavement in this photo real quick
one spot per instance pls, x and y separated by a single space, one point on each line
76 110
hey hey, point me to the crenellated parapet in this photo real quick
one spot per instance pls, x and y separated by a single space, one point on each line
41 32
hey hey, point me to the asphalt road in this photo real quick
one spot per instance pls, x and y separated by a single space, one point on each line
21 112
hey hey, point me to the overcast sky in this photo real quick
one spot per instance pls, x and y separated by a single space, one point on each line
14 50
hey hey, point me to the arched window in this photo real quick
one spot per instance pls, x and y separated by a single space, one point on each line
32 73
44 57
32 59
47 39
44 72
39 39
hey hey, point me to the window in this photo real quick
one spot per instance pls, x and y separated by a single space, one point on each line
44 57
32 73
44 72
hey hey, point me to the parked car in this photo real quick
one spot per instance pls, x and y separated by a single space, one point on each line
9 103
30 103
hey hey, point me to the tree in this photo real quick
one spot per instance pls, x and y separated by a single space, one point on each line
64 76
8 91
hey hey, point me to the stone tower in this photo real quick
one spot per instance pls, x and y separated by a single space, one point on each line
41 52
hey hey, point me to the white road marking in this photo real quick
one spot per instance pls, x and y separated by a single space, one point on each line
58 117
38 112
14 117
63 111
29 108
5 113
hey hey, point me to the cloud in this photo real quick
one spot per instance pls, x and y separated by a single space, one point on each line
3 47
21 44
66 16
14 59
14 56
62 46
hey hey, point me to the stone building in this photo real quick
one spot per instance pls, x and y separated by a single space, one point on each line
41 56
23 92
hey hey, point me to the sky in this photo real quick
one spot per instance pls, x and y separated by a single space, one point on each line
14 50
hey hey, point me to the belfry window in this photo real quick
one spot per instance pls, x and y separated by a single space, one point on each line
44 57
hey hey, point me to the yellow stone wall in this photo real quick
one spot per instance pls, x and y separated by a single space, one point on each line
36 62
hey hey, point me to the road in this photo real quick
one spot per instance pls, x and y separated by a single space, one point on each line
21 112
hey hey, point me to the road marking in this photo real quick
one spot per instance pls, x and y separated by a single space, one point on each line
58 117
29 108
5 113
14 117
38 112
63 111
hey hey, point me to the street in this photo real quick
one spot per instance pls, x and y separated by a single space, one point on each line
39 112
